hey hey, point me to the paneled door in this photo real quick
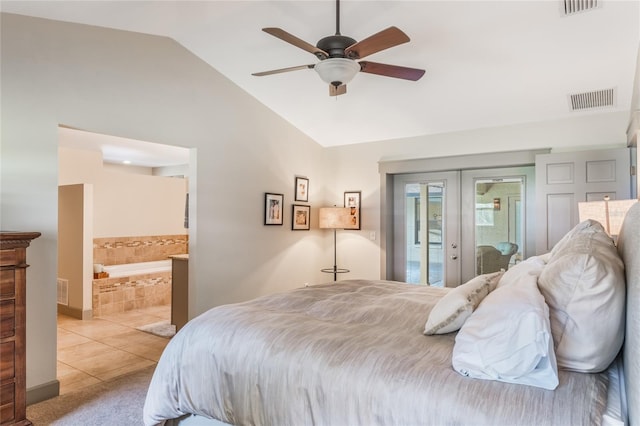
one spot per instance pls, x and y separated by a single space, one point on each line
564 179
426 228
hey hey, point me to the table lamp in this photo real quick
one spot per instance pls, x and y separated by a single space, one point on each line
610 213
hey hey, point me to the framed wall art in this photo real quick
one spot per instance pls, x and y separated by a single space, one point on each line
302 189
352 200
273 205
300 217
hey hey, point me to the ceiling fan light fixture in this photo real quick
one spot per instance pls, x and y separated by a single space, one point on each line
337 71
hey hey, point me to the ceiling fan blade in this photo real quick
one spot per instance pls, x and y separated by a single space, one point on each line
291 39
278 71
385 39
336 91
396 71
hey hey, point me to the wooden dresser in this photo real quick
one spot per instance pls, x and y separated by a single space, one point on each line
13 386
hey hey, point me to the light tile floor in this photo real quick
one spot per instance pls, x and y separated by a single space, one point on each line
105 347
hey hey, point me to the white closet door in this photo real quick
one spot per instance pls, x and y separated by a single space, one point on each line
564 179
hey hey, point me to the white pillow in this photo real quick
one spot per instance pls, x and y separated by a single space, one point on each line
584 286
508 338
454 308
514 274
588 226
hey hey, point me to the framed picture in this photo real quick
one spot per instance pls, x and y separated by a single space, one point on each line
273 204
352 200
302 189
300 217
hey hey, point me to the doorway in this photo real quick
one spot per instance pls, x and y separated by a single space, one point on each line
130 206
451 226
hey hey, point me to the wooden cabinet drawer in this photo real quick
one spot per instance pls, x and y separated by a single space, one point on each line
7 283
7 318
7 361
8 257
7 405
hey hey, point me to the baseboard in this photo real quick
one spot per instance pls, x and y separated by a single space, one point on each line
43 392
75 312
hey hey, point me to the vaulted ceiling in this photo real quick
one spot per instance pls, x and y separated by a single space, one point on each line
488 63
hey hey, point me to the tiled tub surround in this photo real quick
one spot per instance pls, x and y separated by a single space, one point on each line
121 294
128 290
120 250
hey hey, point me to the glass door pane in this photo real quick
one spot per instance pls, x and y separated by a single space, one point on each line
424 246
498 223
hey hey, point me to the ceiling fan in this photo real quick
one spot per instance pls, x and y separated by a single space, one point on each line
339 56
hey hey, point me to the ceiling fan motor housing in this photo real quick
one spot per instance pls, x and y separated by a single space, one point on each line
335 45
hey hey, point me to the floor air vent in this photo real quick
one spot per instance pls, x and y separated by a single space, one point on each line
590 100
63 292
571 7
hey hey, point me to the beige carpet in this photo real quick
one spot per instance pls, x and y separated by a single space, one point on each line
115 402
162 329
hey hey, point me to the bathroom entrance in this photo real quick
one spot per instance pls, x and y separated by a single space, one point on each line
123 213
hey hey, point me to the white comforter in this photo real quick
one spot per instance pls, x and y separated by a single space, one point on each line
350 353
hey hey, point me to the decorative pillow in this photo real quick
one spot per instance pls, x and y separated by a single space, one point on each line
585 227
455 307
508 338
584 286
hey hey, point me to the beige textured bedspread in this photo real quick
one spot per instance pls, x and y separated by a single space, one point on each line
347 353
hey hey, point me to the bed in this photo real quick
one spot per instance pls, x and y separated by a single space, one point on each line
356 353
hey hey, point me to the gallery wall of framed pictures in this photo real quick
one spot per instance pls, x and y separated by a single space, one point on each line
301 213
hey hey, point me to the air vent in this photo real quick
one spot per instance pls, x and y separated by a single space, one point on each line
590 100
63 292
571 7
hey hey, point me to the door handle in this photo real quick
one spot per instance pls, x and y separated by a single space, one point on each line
454 256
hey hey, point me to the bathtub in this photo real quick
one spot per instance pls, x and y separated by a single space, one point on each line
128 269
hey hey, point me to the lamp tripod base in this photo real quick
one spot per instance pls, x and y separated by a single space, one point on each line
335 271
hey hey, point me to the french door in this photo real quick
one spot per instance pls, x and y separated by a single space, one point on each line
451 226
426 228
497 214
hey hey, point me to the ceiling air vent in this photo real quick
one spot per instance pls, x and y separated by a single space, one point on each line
571 7
590 100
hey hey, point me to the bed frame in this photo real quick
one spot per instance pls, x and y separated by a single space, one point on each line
629 249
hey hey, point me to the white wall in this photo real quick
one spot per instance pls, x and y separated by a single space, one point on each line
356 166
150 88
126 204
75 246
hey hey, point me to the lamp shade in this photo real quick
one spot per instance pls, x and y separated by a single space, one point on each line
336 218
337 71
609 213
